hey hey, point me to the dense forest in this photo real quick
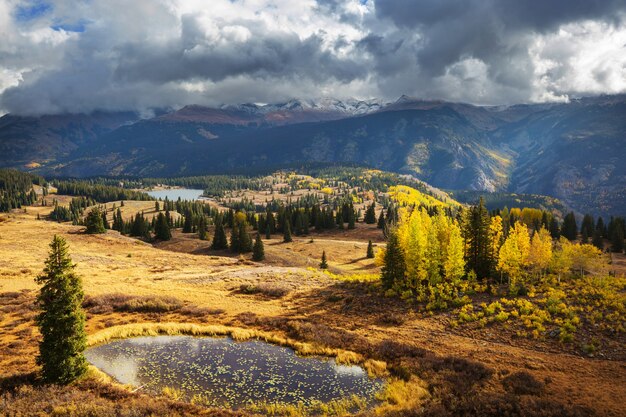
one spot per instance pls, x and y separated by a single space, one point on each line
16 189
98 191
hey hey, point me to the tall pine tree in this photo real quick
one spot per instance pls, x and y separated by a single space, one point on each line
61 319
258 251
162 228
394 268
569 228
478 256
370 250
219 238
94 222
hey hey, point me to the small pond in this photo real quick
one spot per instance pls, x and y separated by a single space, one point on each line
226 373
173 194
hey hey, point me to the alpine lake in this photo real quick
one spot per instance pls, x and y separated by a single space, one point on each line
173 194
220 372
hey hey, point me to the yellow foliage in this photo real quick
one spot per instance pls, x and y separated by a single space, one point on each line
408 196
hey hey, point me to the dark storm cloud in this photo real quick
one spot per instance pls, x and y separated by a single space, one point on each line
538 15
137 55
495 31
263 55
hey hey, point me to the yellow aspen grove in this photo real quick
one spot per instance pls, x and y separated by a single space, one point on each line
586 258
540 251
514 254
454 265
444 225
412 235
433 253
510 260
495 237
562 257
520 231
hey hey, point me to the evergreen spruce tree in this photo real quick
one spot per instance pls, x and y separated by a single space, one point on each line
600 227
162 228
370 214
555 232
94 223
139 227
118 222
61 319
188 225
381 220
324 263
245 243
476 232
219 239
617 240
597 240
394 268
202 228
569 228
287 232
351 217
234 238
370 250
588 226
105 222
268 231
258 252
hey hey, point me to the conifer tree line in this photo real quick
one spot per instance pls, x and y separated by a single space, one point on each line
73 212
16 189
433 254
99 192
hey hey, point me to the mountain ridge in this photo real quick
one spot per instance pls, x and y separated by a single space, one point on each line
572 151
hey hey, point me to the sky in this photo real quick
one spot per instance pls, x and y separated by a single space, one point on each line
88 55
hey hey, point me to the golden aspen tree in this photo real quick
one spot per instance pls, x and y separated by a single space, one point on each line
540 251
454 265
443 224
412 235
510 260
586 257
433 253
514 254
495 237
520 231
562 257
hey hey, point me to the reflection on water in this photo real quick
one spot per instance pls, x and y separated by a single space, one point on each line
228 373
174 193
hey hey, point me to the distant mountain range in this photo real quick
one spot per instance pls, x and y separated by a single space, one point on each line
574 151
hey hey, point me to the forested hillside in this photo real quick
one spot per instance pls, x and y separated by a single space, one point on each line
570 150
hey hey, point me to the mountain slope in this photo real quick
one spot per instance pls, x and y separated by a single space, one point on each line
438 145
572 151
30 141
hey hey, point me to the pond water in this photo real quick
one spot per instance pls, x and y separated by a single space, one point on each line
226 373
173 194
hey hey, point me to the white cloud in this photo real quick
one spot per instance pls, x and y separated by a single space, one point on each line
143 54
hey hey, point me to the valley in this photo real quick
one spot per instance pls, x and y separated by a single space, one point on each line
570 151
506 351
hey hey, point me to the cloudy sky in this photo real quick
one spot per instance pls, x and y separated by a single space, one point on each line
80 56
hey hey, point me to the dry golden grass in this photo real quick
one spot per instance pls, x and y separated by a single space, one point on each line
319 315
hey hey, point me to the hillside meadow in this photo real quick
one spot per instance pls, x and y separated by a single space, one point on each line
434 362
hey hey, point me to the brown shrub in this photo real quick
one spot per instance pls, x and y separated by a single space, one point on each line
130 303
268 290
195 311
392 319
391 350
522 383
